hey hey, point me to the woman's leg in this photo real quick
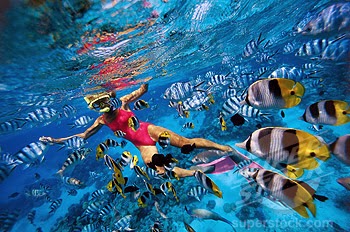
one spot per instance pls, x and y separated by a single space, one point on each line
179 141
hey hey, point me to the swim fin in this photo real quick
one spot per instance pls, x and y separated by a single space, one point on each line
187 148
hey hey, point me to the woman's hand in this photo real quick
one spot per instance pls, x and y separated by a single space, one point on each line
46 139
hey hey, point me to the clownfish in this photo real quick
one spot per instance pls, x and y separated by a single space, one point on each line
274 93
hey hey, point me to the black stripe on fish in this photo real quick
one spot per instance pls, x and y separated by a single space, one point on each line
314 111
275 88
267 177
290 141
248 143
264 139
330 108
287 185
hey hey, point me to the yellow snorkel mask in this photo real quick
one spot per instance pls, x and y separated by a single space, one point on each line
99 102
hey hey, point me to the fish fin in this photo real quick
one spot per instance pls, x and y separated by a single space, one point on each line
293 172
320 197
301 210
311 206
310 164
61 147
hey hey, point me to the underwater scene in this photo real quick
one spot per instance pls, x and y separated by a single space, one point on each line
174 115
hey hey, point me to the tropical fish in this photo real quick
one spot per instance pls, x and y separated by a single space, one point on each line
151 173
156 204
31 216
134 161
242 164
72 181
207 215
333 19
124 223
93 207
168 187
252 47
189 228
222 122
338 51
55 205
209 156
74 158
144 199
112 164
72 192
180 109
180 90
292 73
198 99
140 105
250 112
69 111
279 187
44 115
329 112
219 79
106 210
164 139
31 154
345 182
126 159
8 219
73 143
6 170
189 125
103 147
341 148
157 227
207 183
287 149
133 123
274 93
114 187
11 126
231 106
82 121
140 172
119 133
197 192
97 193
315 47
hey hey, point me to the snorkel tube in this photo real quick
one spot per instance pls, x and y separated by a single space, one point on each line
99 102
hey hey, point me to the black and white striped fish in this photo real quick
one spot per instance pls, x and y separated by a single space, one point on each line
31 216
229 93
74 158
293 73
196 100
188 125
151 173
215 80
31 154
82 121
42 115
252 47
125 159
69 111
140 105
207 183
73 143
119 134
179 108
97 193
250 112
11 126
289 48
242 164
180 90
6 170
92 227
55 205
8 219
116 103
232 105
197 192
94 208
243 80
123 223
106 210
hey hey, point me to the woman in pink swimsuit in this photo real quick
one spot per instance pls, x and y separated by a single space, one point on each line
145 137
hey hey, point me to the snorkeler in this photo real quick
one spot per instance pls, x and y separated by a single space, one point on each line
142 134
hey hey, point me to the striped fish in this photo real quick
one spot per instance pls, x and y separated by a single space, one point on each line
291 193
244 80
287 149
188 125
341 149
252 47
113 165
119 133
219 80
241 165
197 192
69 111
90 228
207 183
125 159
43 115
116 103
6 170
31 154
140 105
140 172
74 158
97 193
93 208
8 220
82 121
180 90
31 216
251 112
55 205
123 223
293 73
151 173
231 106
168 187
72 181
11 126
73 143
196 100
103 147
106 210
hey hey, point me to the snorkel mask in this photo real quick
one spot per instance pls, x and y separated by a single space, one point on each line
99 102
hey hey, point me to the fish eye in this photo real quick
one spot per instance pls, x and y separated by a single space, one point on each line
312 154
292 93
344 112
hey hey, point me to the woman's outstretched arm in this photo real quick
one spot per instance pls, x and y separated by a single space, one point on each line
133 96
86 134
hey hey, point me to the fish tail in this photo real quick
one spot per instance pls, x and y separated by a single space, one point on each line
311 206
230 223
320 197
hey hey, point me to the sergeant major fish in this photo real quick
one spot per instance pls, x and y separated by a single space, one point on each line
207 183
74 158
31 154
197 192
55 205
82 121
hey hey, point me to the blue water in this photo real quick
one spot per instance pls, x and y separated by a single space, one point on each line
52 55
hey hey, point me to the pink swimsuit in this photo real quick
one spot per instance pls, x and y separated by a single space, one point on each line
140 137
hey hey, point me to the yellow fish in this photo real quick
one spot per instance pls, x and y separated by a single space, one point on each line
274 93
